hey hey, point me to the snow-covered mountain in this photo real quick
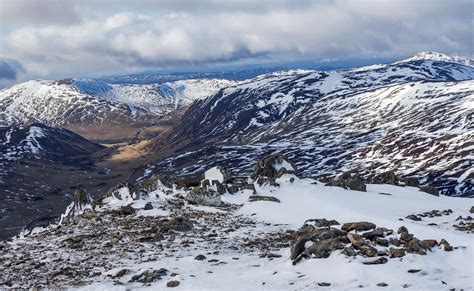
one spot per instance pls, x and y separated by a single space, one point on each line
38 165
156 98
412 116
84 104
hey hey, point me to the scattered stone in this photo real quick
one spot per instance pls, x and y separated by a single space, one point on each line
172 284
148 206
471 210
324 284
149 276
254 198
413 217
413 271
358 226
200 258
382 284
378 261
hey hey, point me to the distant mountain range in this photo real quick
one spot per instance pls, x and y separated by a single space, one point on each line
413 116
96 109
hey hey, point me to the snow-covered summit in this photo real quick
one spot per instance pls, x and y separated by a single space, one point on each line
440 57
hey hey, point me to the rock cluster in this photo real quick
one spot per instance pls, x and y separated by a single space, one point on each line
319 238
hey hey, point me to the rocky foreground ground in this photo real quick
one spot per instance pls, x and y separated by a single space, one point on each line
275 231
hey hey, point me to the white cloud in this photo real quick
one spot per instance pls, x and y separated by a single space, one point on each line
219 31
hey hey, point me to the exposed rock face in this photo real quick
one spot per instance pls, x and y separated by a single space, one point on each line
272 167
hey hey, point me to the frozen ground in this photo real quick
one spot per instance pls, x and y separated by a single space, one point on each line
243 243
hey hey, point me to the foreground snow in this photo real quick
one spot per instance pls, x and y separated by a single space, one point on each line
302 200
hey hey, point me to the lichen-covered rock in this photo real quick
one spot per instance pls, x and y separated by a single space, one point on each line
204 196
268 169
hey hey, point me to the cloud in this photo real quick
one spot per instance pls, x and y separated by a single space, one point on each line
9 71
157 34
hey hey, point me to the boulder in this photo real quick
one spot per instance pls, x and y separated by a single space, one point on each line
358 226
149 276
203 196
356 240
349 181
254 198
148 206
371 235
324 248
388 177
319 222
268 169
396 253
378 261
368 251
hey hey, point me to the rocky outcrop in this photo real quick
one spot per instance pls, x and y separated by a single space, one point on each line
81 202
204 196
350 181
268 169
123 191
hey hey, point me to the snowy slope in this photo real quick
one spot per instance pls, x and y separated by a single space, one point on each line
59 103
87 101
242 244
413 116
157 98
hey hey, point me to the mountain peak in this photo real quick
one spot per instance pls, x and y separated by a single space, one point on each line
440 57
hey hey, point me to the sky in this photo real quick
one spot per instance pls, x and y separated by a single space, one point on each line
70 38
